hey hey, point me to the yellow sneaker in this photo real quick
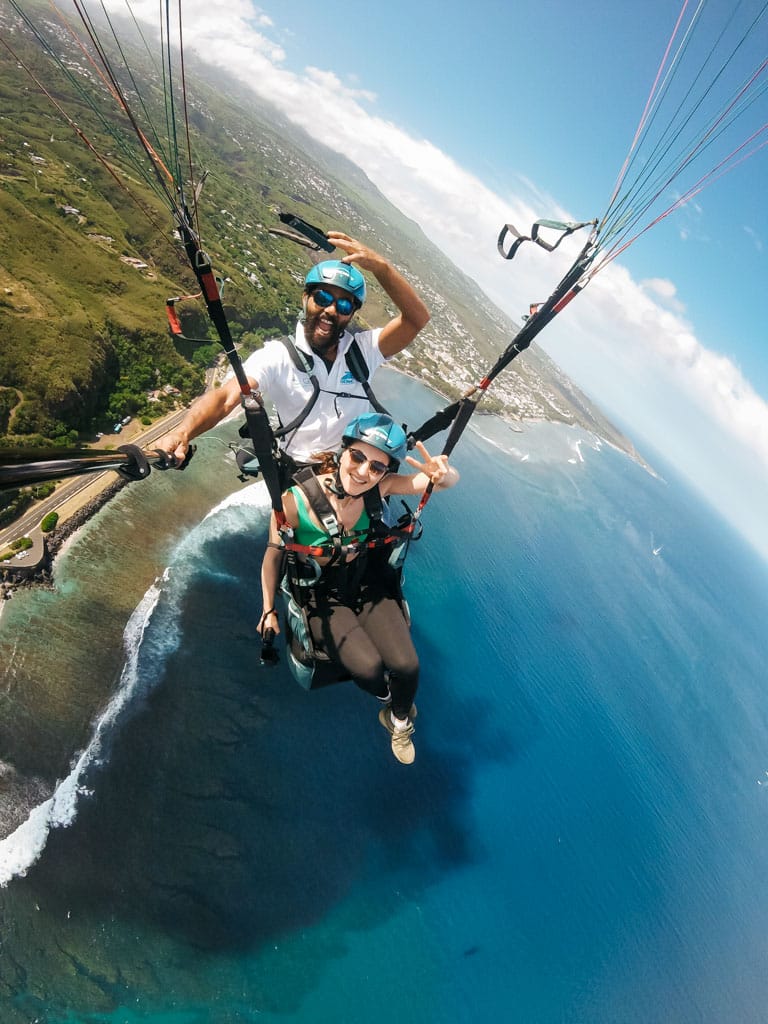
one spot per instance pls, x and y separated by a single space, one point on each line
402 744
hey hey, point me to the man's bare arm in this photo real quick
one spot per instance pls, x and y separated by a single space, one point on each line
202 415
413 315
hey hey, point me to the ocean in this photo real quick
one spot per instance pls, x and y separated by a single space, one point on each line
190 838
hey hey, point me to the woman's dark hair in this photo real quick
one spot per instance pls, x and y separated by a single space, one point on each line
324 462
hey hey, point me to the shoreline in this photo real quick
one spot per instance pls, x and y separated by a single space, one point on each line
517 424
76 511
82 512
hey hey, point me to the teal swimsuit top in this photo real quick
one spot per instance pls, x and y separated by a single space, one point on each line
312 535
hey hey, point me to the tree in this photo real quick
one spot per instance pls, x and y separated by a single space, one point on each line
49 522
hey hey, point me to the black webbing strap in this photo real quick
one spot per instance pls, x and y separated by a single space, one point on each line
209 286
565 228
302 363
566 290
256 419
262 440
457 415
374 507
356 365
318 501
440 421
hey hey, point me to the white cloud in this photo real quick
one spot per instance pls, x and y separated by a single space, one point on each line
328 80
619 321
219 23
756 239
666 290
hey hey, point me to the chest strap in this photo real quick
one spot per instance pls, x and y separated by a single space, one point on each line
318 501
305 363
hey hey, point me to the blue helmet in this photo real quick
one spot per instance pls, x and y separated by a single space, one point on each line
381 432
343 275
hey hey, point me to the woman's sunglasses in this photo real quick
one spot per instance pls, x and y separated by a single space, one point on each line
323 299
374 466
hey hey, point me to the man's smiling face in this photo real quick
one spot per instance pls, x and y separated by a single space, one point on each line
324 325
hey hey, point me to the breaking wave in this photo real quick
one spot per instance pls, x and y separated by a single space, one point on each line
143 647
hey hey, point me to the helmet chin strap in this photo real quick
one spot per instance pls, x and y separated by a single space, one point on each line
335 486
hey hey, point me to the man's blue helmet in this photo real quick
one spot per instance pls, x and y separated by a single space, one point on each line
343 275
381 432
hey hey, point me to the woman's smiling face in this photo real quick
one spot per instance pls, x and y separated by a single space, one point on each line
361 467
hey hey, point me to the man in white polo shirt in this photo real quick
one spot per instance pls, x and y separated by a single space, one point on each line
334 290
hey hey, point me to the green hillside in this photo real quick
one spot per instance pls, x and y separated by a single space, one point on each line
86 266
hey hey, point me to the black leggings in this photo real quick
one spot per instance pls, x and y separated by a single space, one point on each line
369 640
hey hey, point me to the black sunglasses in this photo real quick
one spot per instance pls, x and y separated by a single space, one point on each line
323 299
359 459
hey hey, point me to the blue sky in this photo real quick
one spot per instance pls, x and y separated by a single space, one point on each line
468 115
551 92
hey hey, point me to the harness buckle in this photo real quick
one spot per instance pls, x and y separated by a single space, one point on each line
330 524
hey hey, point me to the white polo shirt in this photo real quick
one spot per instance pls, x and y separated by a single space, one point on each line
341 397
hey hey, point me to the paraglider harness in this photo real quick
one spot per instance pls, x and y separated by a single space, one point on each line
248 462
380 551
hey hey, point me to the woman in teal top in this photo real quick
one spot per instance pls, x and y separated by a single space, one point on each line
309 532
352 610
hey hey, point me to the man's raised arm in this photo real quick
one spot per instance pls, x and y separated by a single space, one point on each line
413 315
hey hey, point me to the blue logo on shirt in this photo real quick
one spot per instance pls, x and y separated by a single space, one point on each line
347 378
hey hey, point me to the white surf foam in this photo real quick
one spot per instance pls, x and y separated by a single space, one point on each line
22 848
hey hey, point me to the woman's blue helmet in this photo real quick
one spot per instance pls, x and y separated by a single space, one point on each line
343 275
381 432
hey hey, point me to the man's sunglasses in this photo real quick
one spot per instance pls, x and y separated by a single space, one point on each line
374 466
323 299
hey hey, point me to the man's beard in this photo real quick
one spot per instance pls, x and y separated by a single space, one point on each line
322 343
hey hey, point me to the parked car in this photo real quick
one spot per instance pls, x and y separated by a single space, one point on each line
117 428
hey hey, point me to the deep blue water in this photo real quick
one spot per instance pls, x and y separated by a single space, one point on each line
581 839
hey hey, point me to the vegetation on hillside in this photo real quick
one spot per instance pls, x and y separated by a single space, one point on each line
86 268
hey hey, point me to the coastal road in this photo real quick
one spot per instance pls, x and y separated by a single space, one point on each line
27 525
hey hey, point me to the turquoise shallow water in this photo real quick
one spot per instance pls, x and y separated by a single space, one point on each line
581 838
